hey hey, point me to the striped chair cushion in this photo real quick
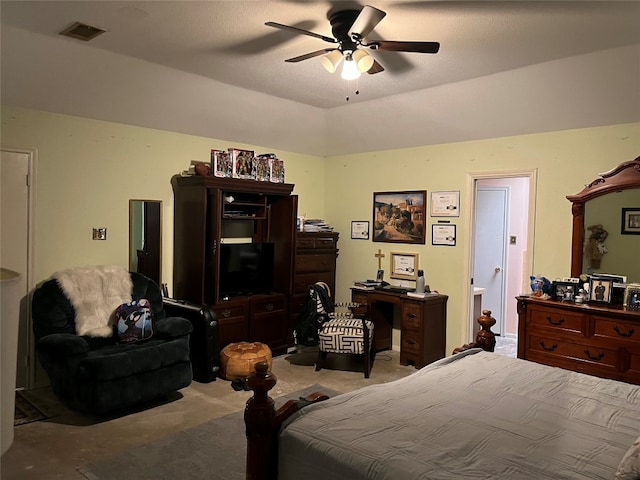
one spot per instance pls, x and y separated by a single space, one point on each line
344 335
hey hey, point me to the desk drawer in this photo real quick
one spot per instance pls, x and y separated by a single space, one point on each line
411 316
411 342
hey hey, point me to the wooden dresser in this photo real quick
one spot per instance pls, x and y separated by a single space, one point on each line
314 261
601 340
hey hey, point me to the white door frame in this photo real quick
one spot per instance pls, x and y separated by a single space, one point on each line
467 292
30 276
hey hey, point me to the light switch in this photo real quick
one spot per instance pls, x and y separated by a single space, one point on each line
99 233
512 239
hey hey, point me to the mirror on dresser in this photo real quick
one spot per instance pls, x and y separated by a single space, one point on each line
145 238
602 202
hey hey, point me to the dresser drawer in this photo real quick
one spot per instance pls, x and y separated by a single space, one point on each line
267 304
315 263
318 242
231 310
411 317
586 353
302 281
621 332
557 319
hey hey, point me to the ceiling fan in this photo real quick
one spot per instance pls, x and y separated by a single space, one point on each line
350 29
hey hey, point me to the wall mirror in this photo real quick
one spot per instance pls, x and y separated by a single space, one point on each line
145 238
602 202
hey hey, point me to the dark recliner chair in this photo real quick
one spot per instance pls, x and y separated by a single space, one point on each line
98 375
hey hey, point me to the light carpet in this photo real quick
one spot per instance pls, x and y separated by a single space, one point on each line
214 450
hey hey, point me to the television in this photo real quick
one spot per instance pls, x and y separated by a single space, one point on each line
246 268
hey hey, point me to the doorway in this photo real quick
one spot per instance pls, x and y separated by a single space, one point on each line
500 254
16 207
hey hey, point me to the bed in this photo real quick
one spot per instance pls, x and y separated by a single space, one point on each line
472 415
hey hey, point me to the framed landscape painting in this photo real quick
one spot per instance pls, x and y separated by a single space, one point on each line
398 217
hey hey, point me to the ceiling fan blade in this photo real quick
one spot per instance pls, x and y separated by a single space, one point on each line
306 56
376 68
301 31
418 47
366 21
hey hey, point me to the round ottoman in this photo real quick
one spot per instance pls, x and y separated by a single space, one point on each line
238 359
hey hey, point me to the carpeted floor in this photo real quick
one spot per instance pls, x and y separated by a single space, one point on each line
25 411
215 449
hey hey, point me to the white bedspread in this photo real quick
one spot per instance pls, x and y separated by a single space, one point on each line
473 415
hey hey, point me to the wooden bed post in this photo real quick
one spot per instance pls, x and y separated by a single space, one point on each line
485 339
263 422
260 420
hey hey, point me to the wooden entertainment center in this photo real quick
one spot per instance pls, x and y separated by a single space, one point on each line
210 211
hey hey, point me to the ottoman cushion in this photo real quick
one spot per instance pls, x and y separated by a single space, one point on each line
238 359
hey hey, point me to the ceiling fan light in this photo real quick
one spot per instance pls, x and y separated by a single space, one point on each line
331 60
363 60
350 69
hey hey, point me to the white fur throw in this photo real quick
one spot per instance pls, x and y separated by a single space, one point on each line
95 293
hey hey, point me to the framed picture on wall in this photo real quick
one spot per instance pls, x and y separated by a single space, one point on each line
360 230
445 204
630 221
404 266
398 217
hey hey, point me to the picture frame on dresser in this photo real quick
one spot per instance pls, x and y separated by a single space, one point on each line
564 290
600 289
632 296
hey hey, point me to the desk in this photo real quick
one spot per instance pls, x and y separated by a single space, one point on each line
423 328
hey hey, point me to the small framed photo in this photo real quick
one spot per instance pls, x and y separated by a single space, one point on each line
404 266
380 275
564 291
630 221
632 296
360 230
600 289
445 204
242 161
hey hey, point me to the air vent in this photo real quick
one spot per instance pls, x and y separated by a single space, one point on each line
82 31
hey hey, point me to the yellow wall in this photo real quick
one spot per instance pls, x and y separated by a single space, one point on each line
87 171
565 162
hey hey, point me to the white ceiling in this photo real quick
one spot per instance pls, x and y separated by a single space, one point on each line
227 42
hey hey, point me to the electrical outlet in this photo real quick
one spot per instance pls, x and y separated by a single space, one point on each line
99 233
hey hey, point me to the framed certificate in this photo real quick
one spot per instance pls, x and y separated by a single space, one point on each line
360 230
404 266
443 234
445 204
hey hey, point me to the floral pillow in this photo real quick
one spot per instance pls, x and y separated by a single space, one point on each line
629 468
134 321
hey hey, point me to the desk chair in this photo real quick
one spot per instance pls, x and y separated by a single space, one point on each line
346 333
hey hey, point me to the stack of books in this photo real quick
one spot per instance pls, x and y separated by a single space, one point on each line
316 225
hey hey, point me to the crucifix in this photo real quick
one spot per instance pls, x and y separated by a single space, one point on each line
379 256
